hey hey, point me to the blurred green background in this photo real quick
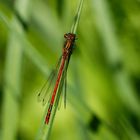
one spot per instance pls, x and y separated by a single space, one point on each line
103 95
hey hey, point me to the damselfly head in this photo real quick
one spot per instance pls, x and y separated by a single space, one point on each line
70 36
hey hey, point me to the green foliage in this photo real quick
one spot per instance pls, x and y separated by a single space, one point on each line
103 76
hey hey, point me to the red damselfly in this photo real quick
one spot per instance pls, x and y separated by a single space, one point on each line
58 76
61 69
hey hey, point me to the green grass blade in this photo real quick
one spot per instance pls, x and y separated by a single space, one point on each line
12 91
28 49
77 17
113 55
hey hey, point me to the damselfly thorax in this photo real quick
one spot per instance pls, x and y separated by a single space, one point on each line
69 43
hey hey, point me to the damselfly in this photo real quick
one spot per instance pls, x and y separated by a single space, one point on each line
58 76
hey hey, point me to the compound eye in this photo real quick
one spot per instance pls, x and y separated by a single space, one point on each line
65 35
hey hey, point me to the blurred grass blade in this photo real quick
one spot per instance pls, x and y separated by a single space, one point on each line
12 78
113 55
77 17
12 91
28 49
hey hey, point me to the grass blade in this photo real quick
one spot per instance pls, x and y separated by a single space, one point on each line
44 131
77 17
113 55
12 91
